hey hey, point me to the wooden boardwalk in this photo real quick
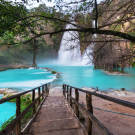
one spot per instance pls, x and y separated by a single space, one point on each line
52 113
56 117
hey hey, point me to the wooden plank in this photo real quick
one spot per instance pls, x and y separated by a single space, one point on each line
33 98
77 99
115 100
67 92
63 90
12 124
98 124
26 128
70 96
17 95
42 92
39 95
18 124
47 90
89 108
14 96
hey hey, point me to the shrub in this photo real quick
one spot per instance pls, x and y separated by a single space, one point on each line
53 72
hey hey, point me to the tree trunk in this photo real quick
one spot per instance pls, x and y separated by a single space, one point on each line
122 69
34 59
34 54
116 66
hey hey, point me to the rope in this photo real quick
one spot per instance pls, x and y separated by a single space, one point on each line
115 112
112 111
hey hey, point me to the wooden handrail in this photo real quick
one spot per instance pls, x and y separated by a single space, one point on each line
99 125
19 94
19 115
89 111
115 100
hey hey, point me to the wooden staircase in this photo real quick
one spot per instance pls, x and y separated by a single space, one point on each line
56 117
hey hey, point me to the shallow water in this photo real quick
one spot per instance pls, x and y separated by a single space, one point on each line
85 76
7 110
77 76
25 79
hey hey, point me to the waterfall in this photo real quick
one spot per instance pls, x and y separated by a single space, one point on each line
70 53
87 55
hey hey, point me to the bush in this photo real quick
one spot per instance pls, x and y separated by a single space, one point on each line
25 101
53 72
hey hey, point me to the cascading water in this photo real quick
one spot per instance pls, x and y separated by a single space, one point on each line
87 55
70 53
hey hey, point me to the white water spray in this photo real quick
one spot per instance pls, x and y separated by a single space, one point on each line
69 52
87 55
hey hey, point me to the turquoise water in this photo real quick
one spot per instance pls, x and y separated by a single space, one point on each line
7 110
25 79
21 79
85 76
77 76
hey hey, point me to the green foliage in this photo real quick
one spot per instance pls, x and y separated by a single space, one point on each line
6 122
133 64
131 44
132 33
4 69
25 101
10 16
53 72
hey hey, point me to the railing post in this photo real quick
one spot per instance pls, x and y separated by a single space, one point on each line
33 98
67 92
64 86
89 108
42 92
70 96
18 124
63 89
77 99
47 90
39 95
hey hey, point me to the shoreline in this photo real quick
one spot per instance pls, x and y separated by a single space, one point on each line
29 67
115 93
115 73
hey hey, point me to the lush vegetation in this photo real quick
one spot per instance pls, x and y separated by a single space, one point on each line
25 101
41 28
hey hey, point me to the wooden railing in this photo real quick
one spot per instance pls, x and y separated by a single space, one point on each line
19 115
67 92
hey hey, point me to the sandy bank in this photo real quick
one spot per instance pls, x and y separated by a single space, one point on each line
115 73
118 124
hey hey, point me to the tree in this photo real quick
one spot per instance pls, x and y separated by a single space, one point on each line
112 18
100 11
35 45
